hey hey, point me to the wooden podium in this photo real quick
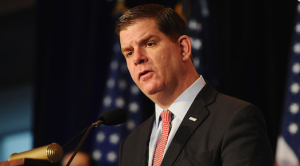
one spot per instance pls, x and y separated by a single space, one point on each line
26 162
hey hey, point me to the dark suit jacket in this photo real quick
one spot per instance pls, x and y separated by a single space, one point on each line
227 132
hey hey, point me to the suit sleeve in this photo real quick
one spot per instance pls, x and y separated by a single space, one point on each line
245 140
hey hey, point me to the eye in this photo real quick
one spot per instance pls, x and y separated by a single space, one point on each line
150 44
129 53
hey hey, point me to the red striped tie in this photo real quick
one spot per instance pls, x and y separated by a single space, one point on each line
162 141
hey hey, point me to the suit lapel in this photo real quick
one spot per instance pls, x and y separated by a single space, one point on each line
186 129
144 137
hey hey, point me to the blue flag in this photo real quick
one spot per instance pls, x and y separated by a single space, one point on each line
121 92
198 30
288 145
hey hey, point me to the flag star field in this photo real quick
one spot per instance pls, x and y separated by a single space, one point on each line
288 145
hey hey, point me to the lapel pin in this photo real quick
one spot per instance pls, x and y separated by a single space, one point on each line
193 119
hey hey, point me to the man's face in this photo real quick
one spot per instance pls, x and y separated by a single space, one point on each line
153 60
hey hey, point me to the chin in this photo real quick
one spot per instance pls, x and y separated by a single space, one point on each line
151 87
148 92
151 91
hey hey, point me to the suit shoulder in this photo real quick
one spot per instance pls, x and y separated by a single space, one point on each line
211 97
228 107
232 102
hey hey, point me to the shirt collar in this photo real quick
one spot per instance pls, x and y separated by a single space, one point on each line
182 104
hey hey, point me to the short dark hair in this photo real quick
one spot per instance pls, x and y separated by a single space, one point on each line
167 20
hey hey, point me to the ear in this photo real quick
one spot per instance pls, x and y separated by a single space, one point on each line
185 47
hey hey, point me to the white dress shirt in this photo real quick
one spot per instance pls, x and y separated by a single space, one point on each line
179 109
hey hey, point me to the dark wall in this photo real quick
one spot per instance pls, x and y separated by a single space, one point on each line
73 57
17 47
17 54
251 44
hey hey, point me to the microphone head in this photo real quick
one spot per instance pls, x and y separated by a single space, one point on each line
113 117
52 152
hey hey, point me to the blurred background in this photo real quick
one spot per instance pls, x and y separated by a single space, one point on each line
61 67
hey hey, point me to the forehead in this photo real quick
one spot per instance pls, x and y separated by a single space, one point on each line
140 25
139 29
136 21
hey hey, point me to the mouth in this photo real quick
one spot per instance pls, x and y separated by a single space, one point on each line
143 73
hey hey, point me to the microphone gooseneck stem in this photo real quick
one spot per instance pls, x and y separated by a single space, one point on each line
65 145
95 124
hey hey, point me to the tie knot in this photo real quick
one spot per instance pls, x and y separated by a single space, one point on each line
166 116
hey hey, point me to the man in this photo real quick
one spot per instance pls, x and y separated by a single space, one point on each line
193 124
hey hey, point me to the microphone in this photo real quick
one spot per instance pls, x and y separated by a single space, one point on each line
52 152
109 118
113 117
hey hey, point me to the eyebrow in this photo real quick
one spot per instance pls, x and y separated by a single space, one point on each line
142 41
147 38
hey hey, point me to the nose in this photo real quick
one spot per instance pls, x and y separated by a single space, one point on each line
139 57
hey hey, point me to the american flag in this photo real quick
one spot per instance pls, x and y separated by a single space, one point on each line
121 92
197 16
196 22
288 145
